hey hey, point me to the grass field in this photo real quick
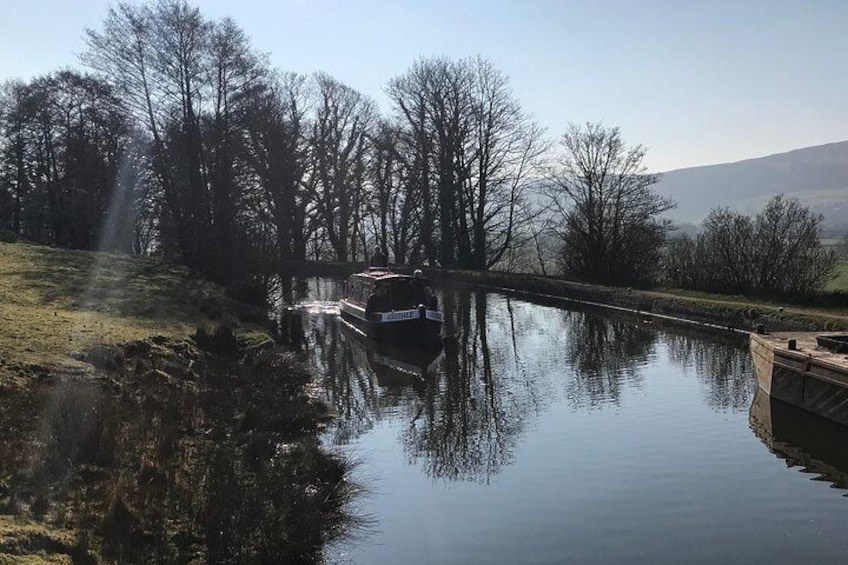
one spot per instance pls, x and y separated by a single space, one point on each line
56 303
840 282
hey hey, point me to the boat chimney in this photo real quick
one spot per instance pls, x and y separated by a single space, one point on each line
793 345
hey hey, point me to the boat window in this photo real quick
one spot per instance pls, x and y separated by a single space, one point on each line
354 290
359 293
382 297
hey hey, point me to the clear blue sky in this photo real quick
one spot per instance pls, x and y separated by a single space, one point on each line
697 82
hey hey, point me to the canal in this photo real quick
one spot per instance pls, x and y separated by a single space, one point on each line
544 434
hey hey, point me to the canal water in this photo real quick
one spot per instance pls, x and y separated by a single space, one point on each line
558 434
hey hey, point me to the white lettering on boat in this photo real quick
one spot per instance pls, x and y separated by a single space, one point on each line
400 315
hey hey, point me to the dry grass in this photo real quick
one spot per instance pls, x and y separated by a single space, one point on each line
23 541
55 304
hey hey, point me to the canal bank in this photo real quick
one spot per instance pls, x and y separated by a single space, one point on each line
145 415
739 313
734 313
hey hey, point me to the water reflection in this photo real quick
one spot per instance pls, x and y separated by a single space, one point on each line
504 362
292 305
173 470
467 429
606 356
462 409
722 364
801 439
394 367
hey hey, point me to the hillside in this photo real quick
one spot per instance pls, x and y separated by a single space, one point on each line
816 175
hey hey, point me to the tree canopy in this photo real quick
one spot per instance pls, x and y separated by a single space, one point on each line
605 210
182 141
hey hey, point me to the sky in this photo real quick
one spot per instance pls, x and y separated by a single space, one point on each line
695 82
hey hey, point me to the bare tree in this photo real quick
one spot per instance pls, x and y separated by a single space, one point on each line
188 81
608 215
64 139
152 54
725 245
482 149
276 139
504 152
234 72
408 95
384 175
343 122
787 253
446 90
536 251
13 159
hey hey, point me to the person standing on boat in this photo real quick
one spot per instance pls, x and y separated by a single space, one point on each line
378 259
419 291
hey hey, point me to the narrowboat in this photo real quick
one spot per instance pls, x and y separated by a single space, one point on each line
392 307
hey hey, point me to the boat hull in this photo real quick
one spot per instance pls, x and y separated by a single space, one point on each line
411 328
806 377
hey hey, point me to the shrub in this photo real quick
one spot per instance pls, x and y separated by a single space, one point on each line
221 340
777 252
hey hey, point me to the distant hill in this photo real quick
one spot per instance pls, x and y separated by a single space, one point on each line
818 176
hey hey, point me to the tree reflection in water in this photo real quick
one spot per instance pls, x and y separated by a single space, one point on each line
722 364
349 389
469 426
465 419
603 354
504 361
607 352
175 470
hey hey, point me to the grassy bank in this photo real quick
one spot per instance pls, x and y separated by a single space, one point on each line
55 304
144 415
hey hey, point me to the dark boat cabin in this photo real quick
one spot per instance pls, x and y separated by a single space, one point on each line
387 291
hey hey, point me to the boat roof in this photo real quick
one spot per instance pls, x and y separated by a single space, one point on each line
380 274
